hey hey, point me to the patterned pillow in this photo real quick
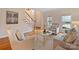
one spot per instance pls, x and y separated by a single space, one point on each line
19 36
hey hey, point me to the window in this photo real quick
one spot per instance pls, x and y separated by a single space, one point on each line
66 23
66 18
49 21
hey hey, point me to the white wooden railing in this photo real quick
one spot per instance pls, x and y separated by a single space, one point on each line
29 17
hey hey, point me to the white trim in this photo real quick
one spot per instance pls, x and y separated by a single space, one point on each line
3 36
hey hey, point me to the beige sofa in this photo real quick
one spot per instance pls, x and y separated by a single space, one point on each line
70 42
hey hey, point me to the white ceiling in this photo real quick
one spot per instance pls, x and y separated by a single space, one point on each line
45 9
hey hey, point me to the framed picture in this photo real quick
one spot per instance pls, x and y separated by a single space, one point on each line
11 17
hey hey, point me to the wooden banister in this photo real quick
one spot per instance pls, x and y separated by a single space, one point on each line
29 15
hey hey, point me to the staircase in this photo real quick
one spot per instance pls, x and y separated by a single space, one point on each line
29 17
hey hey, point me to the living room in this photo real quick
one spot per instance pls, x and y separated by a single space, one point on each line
39 28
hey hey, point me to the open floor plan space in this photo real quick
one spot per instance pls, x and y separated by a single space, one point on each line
39 28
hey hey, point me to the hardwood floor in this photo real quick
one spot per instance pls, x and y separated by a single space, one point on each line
5 44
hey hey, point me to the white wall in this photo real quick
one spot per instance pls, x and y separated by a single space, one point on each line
39 18
22 26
